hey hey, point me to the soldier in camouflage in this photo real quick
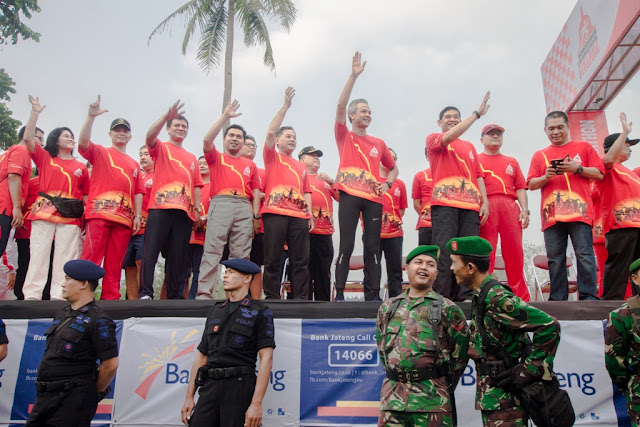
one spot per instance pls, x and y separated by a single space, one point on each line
506 320
422 368
622 348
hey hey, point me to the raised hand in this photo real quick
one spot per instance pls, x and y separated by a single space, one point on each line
288 96
357 66
175 111
231 110
35 104
484 107
626 127
95 110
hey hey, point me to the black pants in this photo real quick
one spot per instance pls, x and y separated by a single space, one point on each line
425 236
392 250
449 223
279 229
320 259
72 408
24 255
5 230
223 402
623 247
351 207
168 230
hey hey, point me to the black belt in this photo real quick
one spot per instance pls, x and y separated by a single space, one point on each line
417 375
63 385
491 367
233 371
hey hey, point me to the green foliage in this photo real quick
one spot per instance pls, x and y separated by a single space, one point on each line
11 25
8 128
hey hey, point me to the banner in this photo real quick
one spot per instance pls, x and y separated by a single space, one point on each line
589 126
325 373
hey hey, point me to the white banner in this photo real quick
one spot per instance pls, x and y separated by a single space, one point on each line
9 368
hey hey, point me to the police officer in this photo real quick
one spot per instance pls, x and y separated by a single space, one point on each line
422 342
622 347
70 384
4 341
497 316
236 331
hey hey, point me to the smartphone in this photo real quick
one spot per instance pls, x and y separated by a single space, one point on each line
556 162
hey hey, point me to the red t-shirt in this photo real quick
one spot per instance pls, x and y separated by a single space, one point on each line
24 232
15 160
566 197
178 176
262 175
598 230
392 202
58 177
637 171
360 158
321 194
421 189
502 175
231 176
286 184
197 235
147 183
455 171
620 198
115 180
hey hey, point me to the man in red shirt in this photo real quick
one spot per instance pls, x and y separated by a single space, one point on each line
133 257
505 184
360 185
459 202
619 192
174 205
321 238
232 217
113 210
287 208
563 171
421 191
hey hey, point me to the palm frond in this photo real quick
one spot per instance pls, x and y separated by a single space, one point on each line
211 43
284 11
255 30
190 6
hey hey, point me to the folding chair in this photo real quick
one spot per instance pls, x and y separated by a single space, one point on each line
544 286
499 267
352 286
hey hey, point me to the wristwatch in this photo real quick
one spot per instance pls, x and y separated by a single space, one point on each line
389 183
257 216
579 170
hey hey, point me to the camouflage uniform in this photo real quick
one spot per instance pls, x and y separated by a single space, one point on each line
622 357
408 344
507 320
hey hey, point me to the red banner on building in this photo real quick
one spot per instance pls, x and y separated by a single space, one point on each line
590 126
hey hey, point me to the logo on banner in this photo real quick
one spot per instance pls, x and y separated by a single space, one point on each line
588 38
164 359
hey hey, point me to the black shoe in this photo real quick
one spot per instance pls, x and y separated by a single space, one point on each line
339 296
376 299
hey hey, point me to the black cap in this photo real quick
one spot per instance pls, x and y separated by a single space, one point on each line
309 150
242 265
120 122
608 141
81 269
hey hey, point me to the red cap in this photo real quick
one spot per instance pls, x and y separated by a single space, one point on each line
487 128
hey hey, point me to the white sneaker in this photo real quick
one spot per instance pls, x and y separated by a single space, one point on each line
145 297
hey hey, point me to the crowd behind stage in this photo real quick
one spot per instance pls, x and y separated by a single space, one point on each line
197 211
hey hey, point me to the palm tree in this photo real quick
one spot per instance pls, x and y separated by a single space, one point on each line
215 19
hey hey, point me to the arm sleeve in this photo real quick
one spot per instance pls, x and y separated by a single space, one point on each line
519 182
387 158
104 339
615 342
403 196
340 131
255 178
535 168
89 152
155 150
266 330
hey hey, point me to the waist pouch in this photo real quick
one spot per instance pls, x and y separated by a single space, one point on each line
67 207
548 405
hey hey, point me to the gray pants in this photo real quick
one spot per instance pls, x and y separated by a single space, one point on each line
230 219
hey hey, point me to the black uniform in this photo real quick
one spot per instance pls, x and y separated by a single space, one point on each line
3 333
232 336
66 383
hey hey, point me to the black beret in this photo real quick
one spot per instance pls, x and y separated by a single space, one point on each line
242 265
81 269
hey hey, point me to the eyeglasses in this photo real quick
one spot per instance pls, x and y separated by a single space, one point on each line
250 144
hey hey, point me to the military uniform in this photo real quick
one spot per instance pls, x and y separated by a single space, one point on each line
234 333
406 346
66 384
506 321
622 355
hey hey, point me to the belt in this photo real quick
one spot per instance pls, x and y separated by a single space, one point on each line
233 371
491 368
63 385
417 375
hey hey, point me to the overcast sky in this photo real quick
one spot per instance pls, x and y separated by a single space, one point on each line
421 55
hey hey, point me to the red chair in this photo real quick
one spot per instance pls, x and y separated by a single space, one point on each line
544 286
352 286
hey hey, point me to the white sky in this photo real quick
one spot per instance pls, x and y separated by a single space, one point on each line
421 55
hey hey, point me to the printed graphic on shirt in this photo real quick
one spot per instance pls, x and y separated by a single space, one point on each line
113 205
174 195
285 200
323 219
563 206
458 190
627 214
359 181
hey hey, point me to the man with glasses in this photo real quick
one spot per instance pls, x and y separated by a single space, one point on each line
505 184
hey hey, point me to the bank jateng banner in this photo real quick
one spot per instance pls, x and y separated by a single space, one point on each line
325 372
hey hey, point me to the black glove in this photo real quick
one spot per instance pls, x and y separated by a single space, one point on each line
515 378
105 393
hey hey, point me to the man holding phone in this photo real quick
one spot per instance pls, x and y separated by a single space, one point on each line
563 171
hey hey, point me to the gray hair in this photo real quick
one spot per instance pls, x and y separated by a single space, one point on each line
353 105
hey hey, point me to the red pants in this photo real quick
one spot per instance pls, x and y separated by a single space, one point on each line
601 257
503 219
107 240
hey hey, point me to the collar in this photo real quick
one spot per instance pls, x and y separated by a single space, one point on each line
246 301
486 279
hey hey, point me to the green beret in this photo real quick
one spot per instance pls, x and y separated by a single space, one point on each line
431 250
635 266
470 245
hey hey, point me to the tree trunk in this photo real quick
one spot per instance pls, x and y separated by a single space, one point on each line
228 56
